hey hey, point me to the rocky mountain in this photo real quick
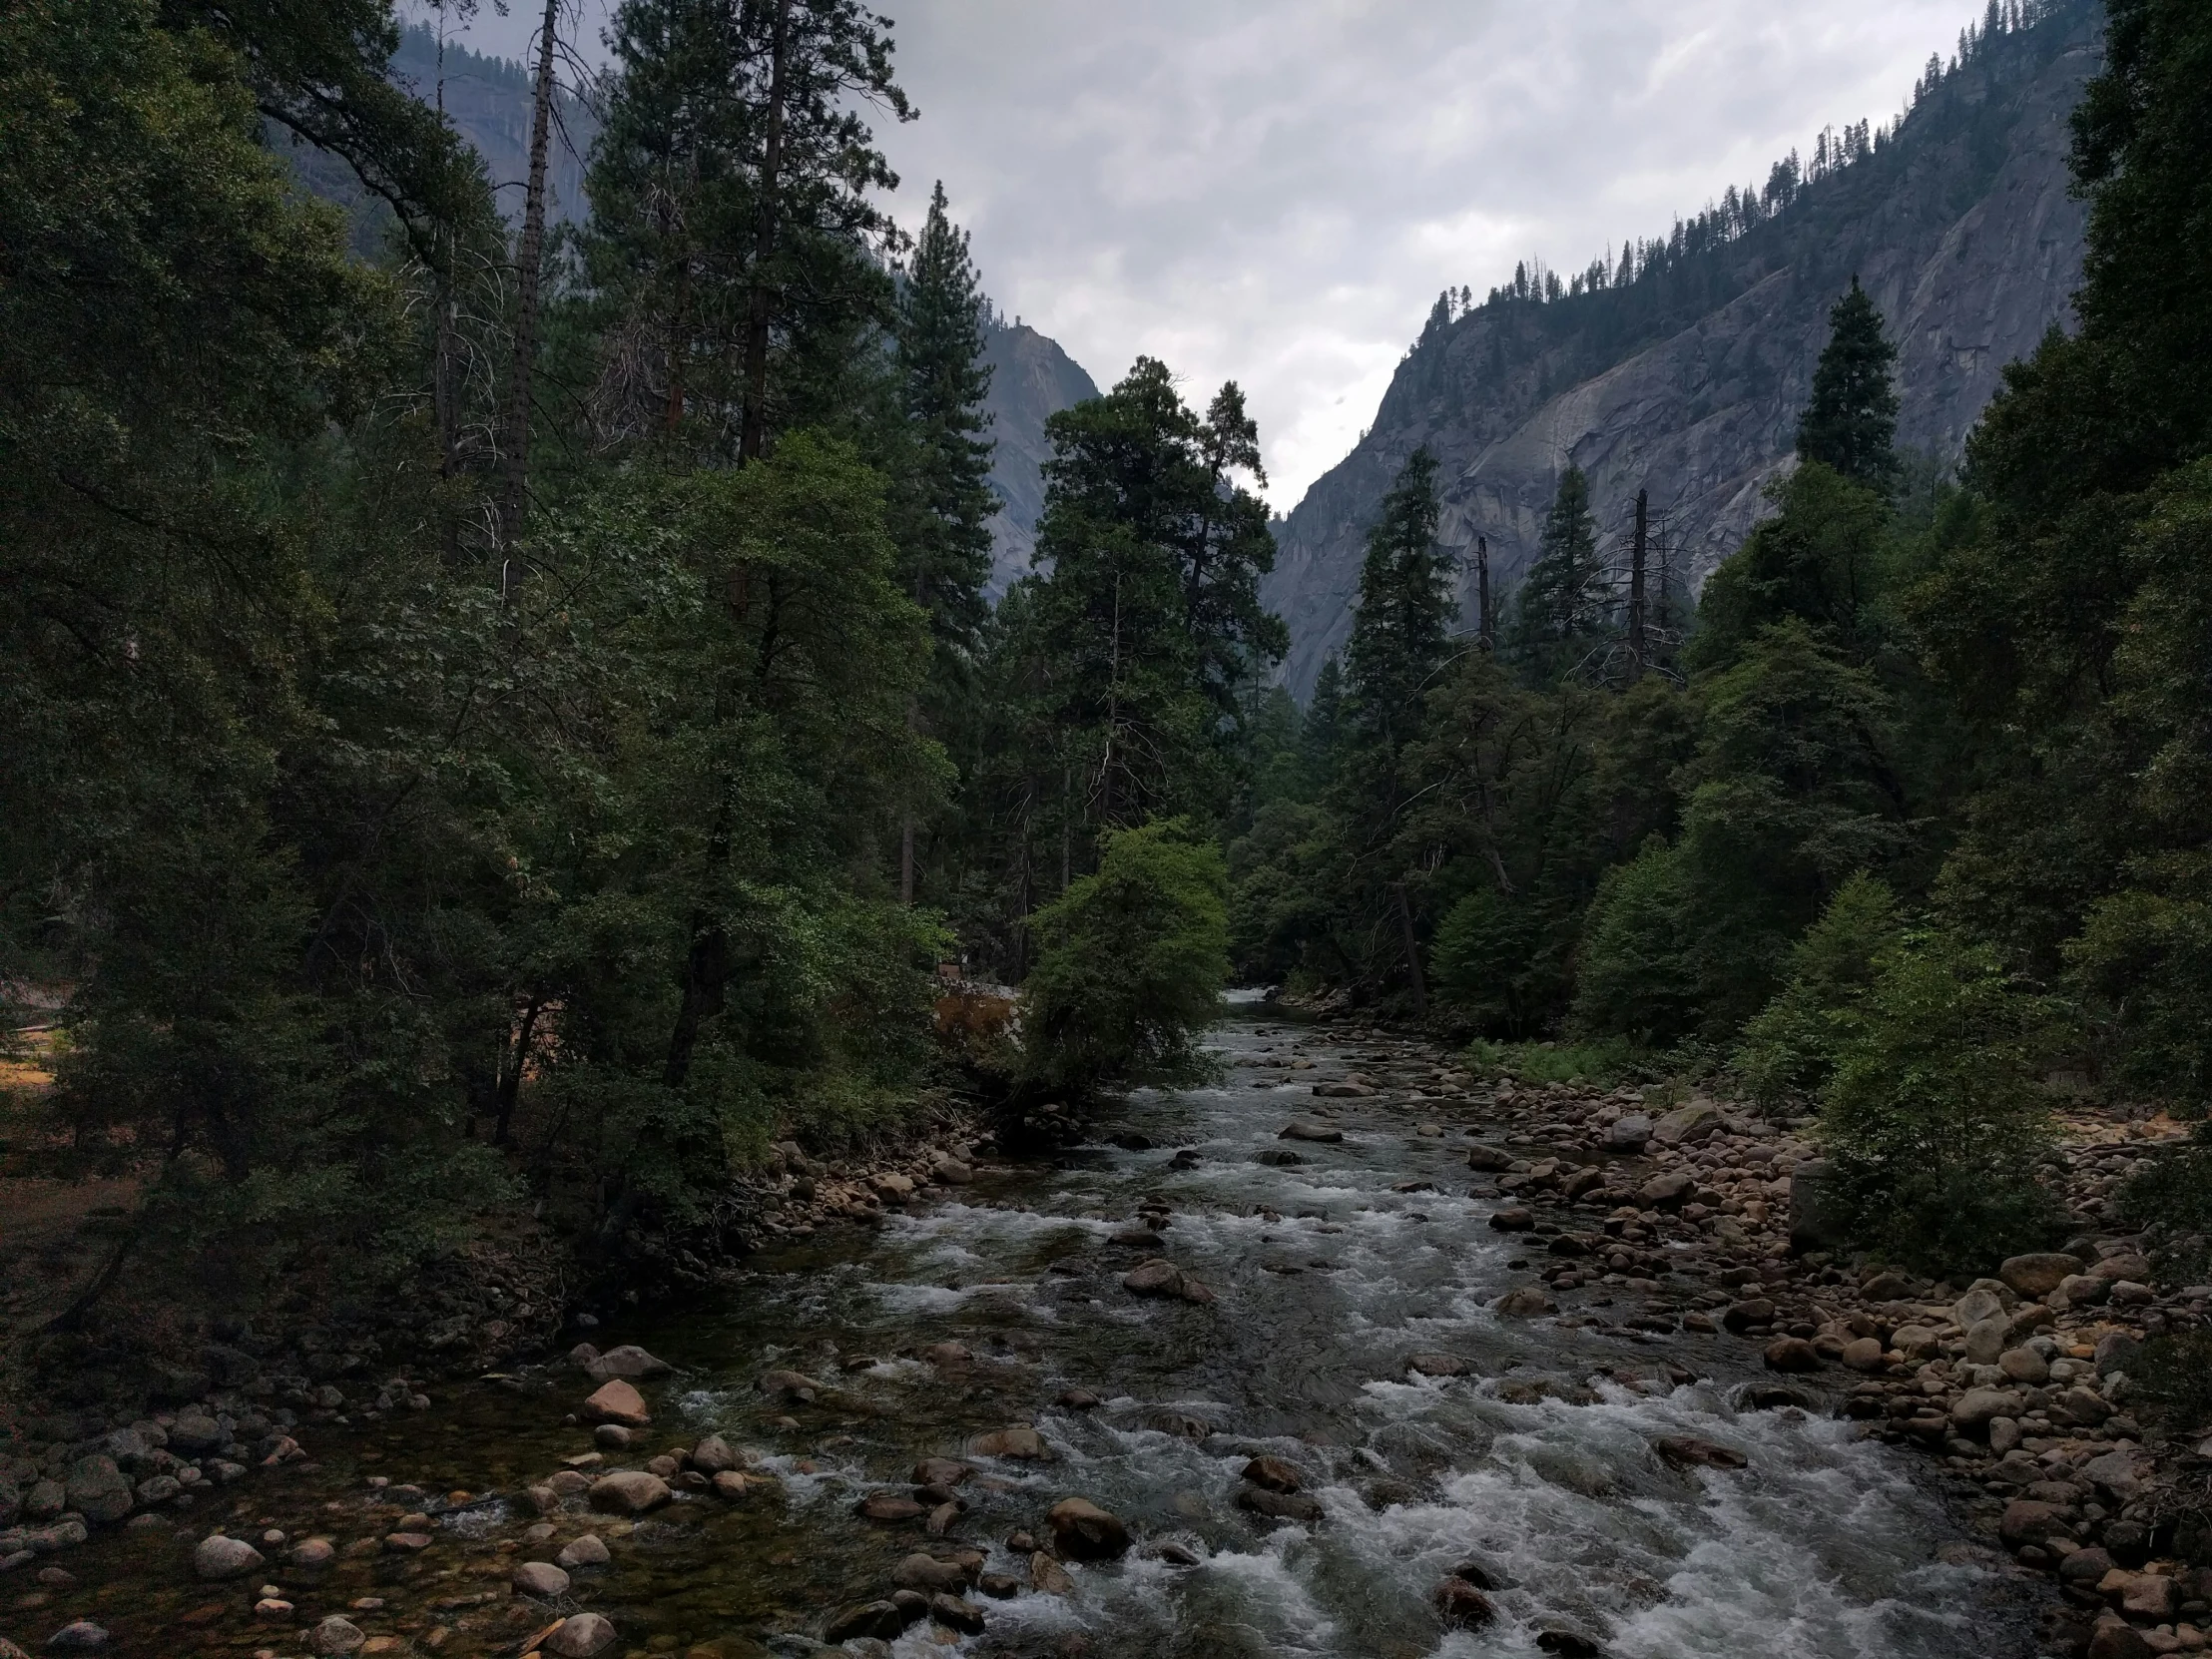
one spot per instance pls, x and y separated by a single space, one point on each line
1031 378
489 101
1686 380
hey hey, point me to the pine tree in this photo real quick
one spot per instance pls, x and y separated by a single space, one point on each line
1563 606
1850 423
1402 629
945 540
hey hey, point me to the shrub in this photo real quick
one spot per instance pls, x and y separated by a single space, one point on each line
1605 1062
1934 1117
1132 964
1489 962
1794 1043
1638 976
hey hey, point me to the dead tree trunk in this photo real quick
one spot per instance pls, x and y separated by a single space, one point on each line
1637 550
529 262
1484 635
1412 951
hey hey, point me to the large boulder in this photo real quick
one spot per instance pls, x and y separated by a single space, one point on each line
628 1360
617 1403
1686 1125
336 1637
222 1557
1084 1532
713 1455
1631 1133
1493 1160
581 1636
2026 1522
97 1489
1978 1408
1666 1192
541 1580
1819 1215
2038 1273
1791 1353
629 1492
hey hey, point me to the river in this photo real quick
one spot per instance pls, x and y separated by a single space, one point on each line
1537 1470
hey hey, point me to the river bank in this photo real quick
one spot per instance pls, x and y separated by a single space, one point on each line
1349 1425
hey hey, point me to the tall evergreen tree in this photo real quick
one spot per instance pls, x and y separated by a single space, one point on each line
945 533
1852 422
1401 630
1564 607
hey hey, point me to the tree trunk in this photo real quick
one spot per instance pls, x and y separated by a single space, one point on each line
753 439
1412 951
529 261
1482 593
1638 549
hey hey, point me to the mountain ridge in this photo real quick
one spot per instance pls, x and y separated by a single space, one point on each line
1688 382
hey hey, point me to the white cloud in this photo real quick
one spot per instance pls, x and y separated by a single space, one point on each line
1275 191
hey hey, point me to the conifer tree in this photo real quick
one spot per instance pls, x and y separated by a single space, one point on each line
1852 422
1401 631
945 540
1565 600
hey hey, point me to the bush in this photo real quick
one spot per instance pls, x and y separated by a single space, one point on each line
1132 964
1933 1116
1604 1063
1489 963
1794 1043
2172 1203
1638 976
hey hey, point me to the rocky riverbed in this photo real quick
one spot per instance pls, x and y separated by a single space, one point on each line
1268 1370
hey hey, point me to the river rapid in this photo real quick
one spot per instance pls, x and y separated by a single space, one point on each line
1537 1470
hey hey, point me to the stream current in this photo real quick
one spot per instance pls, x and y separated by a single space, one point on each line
1538 1465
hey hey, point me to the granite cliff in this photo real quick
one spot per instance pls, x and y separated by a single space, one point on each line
1688 382
1031 378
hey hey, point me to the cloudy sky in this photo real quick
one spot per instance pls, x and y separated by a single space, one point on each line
1275 191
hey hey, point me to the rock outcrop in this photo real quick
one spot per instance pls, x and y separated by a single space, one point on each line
1689 384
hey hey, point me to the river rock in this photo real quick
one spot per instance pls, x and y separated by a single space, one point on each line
928 1574
581 1554
629 1492
194 1433
1273 1473
2113 1639
2125 1265
1512 1218
1630 1133
1863 1353
1288 1507
890 1508
97 1489
790 1386
2084 1567
1917 1343
580 1636
883 1621
2038 1273
2114 1474
1977 1406
1985 1301
1820 1216
1688 1451
616 1402
45 1500
1161 1277
2024 1366
1306 1129
310 1553
2082 1290
541 1579
1492 1159
1791 1353
81 1637
628 1360
2150 1597
1665 1192
944 1473
1740 1317
1986 1339
1048 1576
1524 1302
1020 1444
1438 1365
222 1557
336 1636
950 1172
1464 1607
1687 1125
2114 1350
1085 1532
713 1455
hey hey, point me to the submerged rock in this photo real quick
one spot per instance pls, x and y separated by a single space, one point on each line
1306 1129
219 1557
629 1492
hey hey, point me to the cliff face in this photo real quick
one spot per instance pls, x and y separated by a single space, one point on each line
488 102
1031 378
1689 384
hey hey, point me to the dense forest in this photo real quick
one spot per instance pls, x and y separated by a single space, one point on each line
1908 817
512 717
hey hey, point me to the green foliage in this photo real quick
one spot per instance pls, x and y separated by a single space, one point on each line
1564 606
1821 560
1851 422
1794 1043
1639 972
2172 1202
2173 1374
1602 1064
1933 1115
1399 632
1132 964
